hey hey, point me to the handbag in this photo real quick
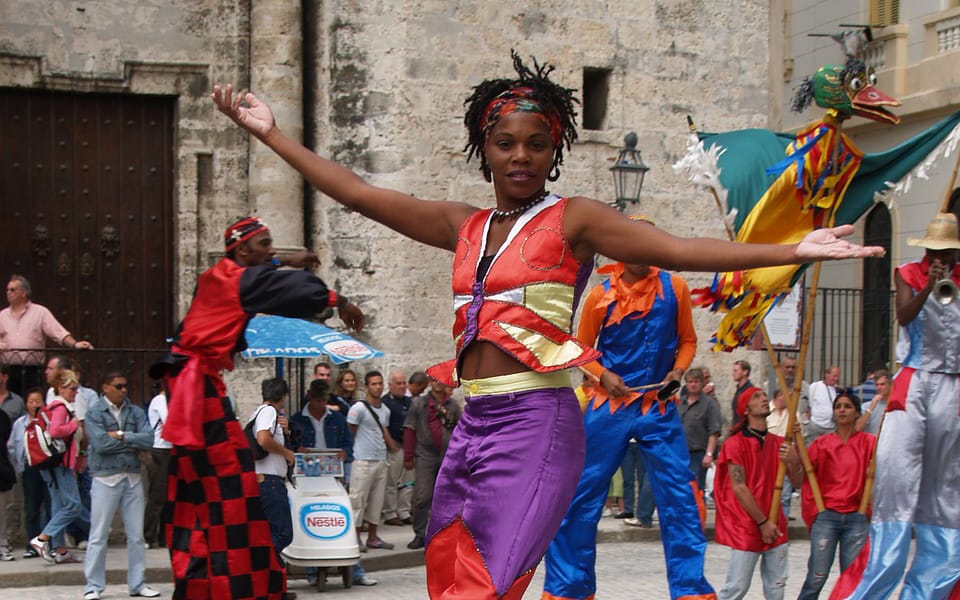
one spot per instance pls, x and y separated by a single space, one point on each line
258 452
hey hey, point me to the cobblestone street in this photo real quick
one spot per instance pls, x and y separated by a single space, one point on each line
626 571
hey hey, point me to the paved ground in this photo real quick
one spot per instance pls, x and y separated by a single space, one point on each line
627 570
630 565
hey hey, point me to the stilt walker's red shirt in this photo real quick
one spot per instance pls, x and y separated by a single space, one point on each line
734 527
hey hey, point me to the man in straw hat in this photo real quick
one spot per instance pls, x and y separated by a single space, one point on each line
216 528
918 474
641 320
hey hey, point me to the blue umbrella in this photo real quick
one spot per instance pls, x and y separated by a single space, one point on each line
282 337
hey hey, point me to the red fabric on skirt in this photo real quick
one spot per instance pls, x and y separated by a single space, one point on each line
215 526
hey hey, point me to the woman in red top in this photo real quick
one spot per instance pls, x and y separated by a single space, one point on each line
840 461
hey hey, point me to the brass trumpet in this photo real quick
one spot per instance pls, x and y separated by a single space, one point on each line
945 291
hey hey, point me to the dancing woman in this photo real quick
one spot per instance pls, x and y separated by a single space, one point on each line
513 463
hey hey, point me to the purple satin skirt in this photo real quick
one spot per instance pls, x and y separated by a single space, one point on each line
509 474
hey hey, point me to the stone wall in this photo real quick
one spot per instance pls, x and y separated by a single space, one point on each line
385 98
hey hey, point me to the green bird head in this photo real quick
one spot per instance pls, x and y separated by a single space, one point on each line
849 89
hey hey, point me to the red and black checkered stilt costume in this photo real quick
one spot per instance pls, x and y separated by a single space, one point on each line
215 526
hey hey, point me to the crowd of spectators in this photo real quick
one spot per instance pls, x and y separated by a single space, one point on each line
392 443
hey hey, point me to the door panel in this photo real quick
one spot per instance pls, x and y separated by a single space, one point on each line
86 200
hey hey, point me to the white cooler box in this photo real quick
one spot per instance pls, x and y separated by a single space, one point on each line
324 534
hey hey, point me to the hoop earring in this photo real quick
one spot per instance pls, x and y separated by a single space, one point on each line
554 173
487 175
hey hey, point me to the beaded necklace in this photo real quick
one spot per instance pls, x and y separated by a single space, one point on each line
516 212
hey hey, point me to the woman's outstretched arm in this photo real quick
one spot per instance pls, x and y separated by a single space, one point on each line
435 223
593 227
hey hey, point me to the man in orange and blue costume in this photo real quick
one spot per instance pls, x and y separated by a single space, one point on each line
640 320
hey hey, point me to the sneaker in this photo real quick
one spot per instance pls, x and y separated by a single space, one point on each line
6 555
638 523
394 522
31 553
65 558
82 545
606 513
147 592
378 544
42 548
365 581
624 514
92 595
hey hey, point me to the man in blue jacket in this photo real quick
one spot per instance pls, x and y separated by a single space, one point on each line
316 426
115 430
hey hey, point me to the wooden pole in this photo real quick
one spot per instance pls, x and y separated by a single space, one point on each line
793 402
867 496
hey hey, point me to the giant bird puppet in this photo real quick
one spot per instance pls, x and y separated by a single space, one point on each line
778 186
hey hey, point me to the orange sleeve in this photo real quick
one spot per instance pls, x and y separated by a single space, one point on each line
589 328
686 334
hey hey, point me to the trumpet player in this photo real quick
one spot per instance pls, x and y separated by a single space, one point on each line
918 475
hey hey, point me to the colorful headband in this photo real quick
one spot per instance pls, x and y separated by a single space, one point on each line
242 230
520 99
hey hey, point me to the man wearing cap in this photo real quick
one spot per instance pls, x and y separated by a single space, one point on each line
640 319
218 536
918 474
743 489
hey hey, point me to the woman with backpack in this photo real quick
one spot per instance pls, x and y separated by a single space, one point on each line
65 504
36 499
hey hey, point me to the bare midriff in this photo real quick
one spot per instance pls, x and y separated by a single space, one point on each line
483 359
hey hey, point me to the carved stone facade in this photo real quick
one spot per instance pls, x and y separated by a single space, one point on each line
379 86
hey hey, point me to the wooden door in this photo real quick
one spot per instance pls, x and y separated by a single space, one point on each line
86 214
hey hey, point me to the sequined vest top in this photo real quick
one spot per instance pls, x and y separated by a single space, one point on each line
526 302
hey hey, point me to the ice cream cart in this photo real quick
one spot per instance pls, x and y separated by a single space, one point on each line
324 535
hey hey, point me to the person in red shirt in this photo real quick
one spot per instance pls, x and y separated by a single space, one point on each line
743 489
840 460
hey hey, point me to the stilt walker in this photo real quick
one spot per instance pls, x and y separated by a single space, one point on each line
216 529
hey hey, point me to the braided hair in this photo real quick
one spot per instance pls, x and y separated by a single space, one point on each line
556 100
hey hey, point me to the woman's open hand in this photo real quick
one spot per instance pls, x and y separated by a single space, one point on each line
244 109
827 244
